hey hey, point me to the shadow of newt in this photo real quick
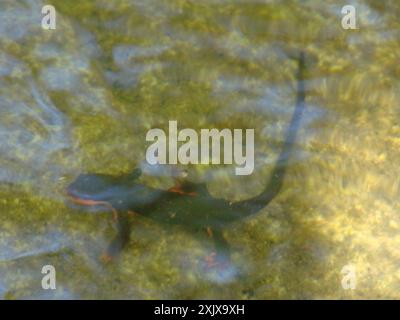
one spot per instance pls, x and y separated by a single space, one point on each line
188 205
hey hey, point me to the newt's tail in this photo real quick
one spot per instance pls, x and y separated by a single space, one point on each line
275 183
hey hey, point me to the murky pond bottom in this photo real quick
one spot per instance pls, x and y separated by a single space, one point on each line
81 98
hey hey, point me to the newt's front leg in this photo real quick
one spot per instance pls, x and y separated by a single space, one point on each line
180 189
121 239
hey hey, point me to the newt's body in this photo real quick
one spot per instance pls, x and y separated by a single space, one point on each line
188 205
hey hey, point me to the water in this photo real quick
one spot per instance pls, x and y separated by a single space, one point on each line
82 97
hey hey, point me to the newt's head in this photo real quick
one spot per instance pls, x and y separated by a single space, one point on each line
94 189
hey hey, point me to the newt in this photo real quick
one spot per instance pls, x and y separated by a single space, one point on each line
187 204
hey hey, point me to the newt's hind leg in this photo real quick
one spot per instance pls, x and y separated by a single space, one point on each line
220 256
218 266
